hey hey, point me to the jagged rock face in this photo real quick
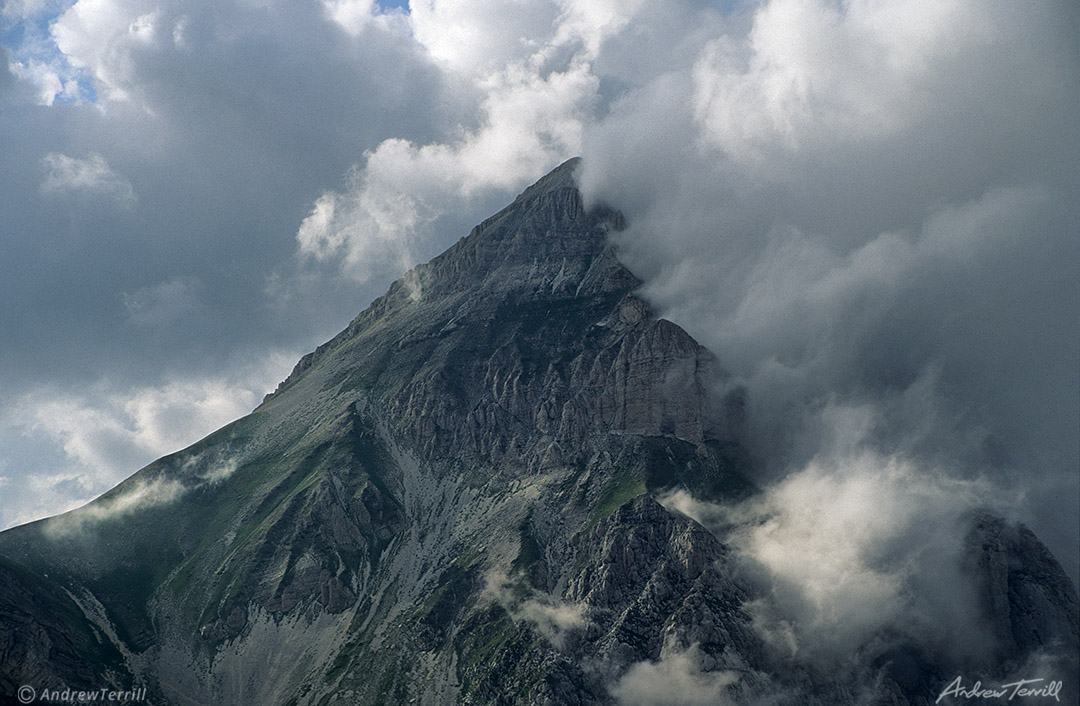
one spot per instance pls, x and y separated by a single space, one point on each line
46 639
451 502
523 340
1030 600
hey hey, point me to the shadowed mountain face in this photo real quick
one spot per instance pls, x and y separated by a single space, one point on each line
452 502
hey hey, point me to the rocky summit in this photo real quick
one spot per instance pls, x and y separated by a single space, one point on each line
455 501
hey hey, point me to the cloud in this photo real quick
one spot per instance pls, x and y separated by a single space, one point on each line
164 303
92 175
808 69
49 80
127 500
859 551
533 79
139 494
22 8
105 434
554 619
220 471
865 205
676 679
104 37
135 425
481 38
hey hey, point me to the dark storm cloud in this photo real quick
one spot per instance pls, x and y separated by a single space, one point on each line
224 121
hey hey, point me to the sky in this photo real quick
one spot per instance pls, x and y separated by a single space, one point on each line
867 209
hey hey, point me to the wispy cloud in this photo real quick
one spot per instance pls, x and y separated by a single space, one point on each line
676 679
105 435
91 175
131 498
556 620
164 303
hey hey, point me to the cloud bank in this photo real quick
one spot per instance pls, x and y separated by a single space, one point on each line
866 206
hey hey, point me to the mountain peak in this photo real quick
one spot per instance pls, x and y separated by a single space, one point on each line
543 245
561 177
533 294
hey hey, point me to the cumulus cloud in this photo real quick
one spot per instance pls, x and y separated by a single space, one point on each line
530 69
49 79
103 38
91 175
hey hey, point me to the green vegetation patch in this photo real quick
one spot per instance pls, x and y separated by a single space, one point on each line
617 491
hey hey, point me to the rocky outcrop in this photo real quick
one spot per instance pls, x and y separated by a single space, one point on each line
47 641
1027 599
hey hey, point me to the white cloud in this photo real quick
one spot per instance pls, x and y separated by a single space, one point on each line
102 37
112 434
865 204
480 38
858 549
106 434
531 68
387 219
676 679
554 619
220 471
50 79
131 498
22 8
90 175
811 70
354 16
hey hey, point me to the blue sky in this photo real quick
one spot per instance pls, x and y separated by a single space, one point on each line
865 208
